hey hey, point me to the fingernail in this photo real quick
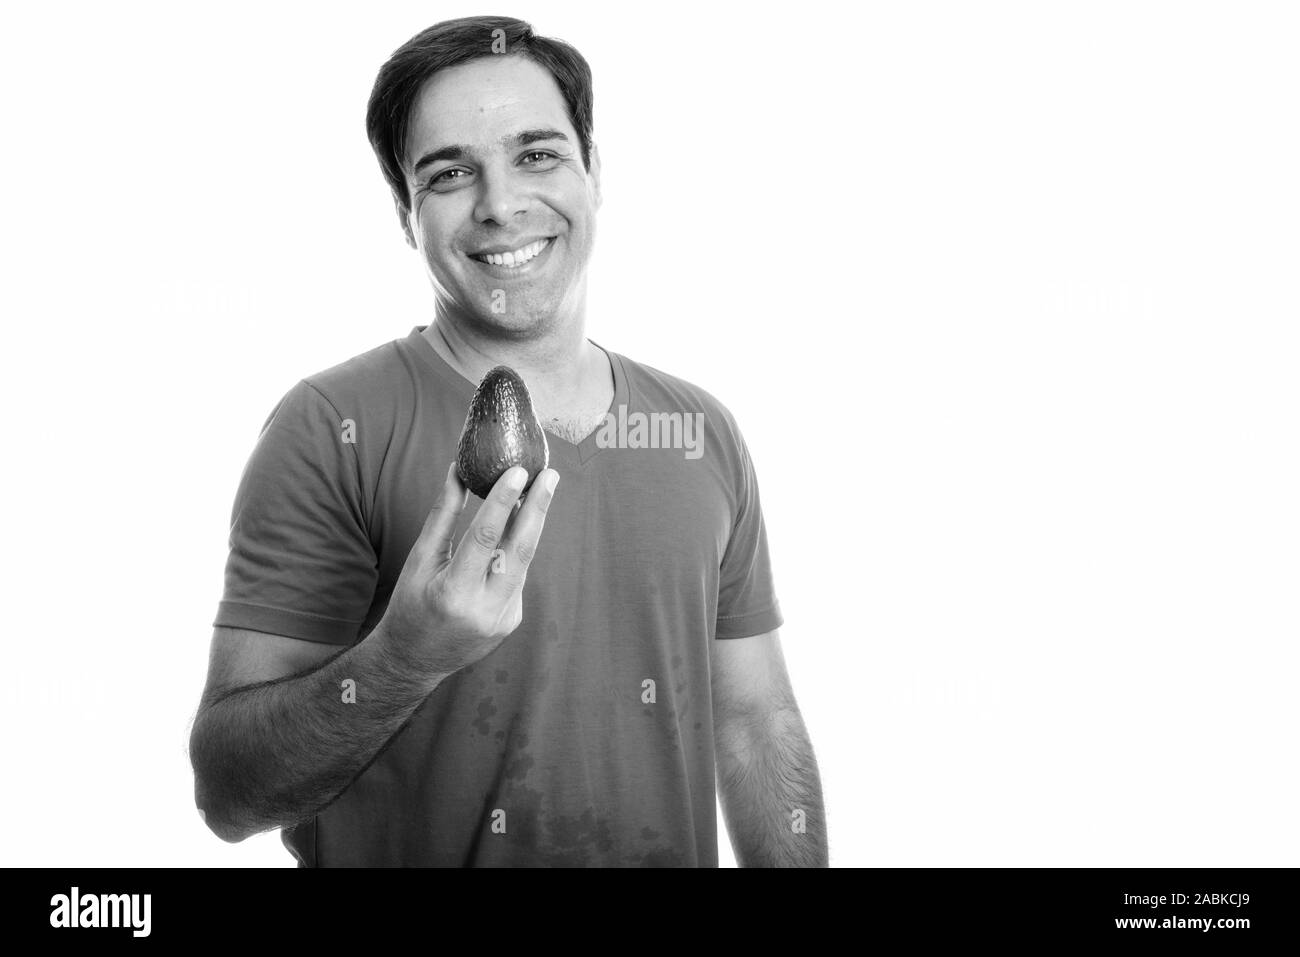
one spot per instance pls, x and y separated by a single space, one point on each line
551 481
515 481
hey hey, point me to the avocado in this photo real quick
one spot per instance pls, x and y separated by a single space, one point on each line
501 430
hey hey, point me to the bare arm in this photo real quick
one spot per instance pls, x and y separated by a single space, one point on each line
273 753
768 781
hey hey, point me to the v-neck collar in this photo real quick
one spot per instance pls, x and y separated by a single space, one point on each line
562 450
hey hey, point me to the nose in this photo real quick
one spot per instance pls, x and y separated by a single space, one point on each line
500 197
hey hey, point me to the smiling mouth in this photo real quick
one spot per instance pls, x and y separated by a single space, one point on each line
516 257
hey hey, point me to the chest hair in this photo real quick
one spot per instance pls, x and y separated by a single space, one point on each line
574 428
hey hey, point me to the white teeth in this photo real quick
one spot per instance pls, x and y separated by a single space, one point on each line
518 257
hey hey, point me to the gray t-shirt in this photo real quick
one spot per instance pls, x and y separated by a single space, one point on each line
586 737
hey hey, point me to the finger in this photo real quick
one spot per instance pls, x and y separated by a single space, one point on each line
519 545
435 537
480 540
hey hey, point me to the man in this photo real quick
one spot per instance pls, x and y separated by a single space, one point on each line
396 679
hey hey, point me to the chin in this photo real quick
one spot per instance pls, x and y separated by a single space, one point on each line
520 326
522 316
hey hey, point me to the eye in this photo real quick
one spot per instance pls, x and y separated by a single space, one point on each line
538 157
446 176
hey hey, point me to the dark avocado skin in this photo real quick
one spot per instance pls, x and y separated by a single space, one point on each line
501 430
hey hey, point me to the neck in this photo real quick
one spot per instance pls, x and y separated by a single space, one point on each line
558 366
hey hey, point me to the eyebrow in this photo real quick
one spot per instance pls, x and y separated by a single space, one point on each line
458 151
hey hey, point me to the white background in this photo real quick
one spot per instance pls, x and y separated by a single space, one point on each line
1004 297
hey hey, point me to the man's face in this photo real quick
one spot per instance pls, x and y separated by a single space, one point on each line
496 177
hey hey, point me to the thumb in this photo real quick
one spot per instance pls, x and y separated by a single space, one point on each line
436 535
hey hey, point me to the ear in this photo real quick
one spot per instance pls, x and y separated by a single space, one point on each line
404 218
595 172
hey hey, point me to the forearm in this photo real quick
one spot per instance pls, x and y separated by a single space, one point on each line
770 792
276 753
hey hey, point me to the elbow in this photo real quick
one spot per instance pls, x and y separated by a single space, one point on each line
215 809
228 833
217 815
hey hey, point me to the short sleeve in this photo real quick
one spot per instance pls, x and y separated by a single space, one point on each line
747 603
301 563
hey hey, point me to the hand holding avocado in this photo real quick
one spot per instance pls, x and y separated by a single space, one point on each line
452 606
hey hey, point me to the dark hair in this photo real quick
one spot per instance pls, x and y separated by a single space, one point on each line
458 41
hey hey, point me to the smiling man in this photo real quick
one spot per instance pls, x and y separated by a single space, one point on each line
568 679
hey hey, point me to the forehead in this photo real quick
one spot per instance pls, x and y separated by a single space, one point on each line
480 102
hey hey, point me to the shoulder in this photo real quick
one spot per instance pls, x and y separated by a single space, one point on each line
373 379
661 391
708 427
365 399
